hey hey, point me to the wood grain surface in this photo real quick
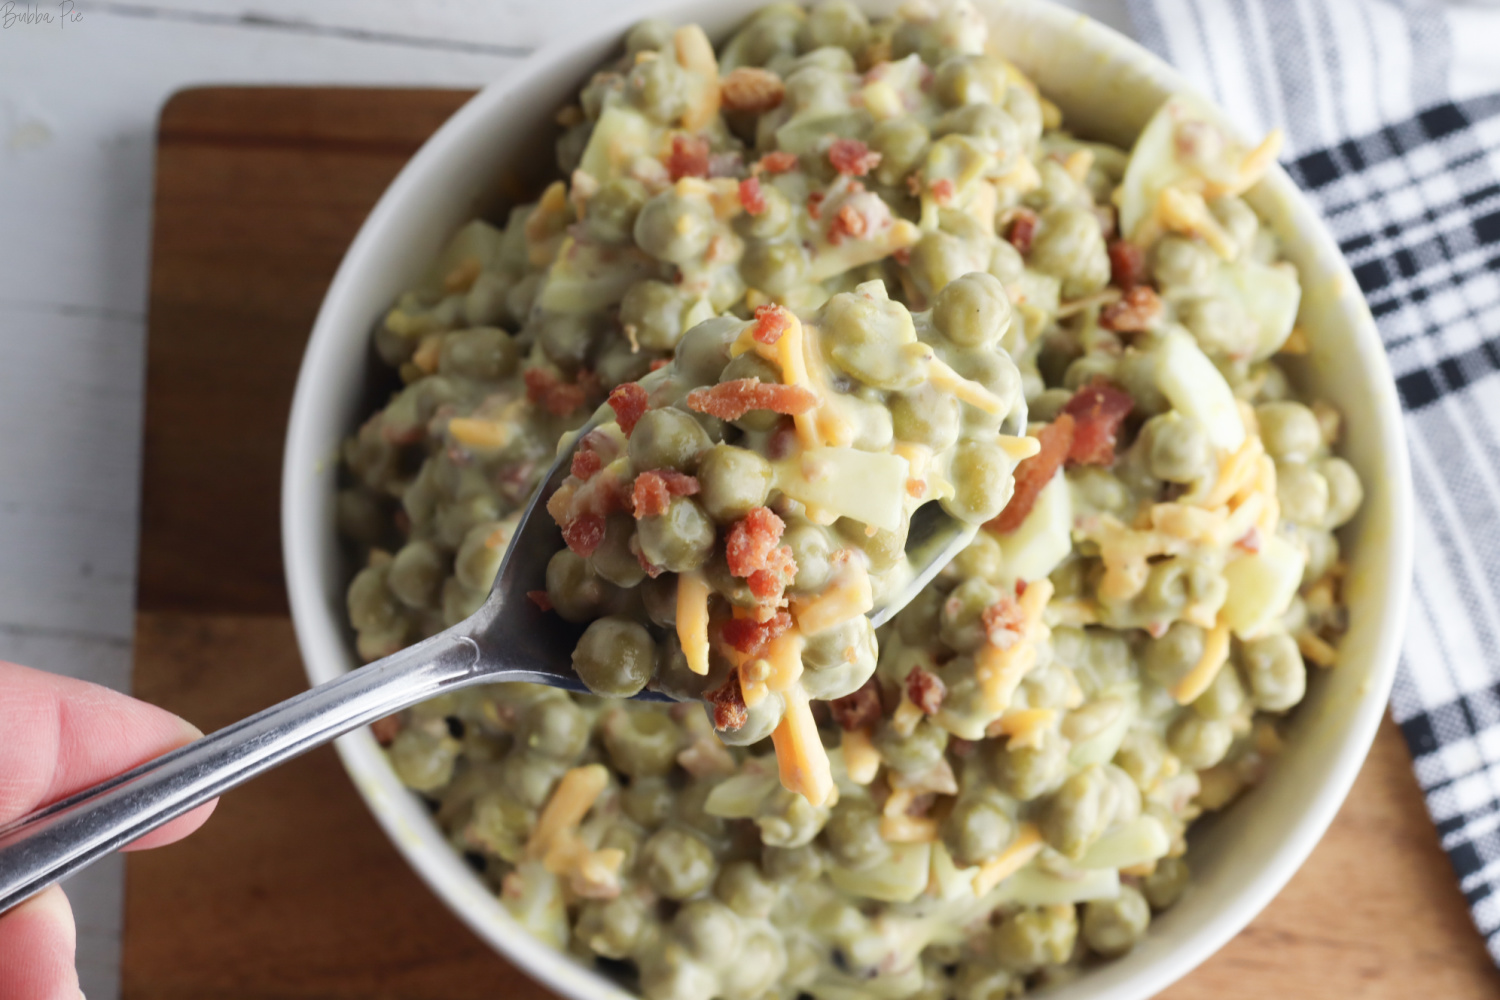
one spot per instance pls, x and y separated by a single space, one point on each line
292 891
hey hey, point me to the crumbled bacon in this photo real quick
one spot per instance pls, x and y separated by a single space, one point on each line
540 598
1003 622
657 364
1020 588
1250 541
586 463
629 403
750 89
387 729
770 581
689 157
815 204
1099 409
925 690
903 256
1034 473
1022 230
584 533
852 157
914 183
778 162
943 191
728 704
1134 313
860 710
654 490
750 636
848 222
732 400
557 397
751 541
771 322
752 198
652 570
782 441
1127 264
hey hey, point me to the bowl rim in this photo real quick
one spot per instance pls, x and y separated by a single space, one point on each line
319 627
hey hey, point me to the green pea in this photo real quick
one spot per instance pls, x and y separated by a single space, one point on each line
1027 773
772 221
960 618
1345 492
1074 816
649 35
791 864
483 353
479 556
774 268
996 130
902 144
677 864
423 761
555 727
734 589
1111 927
1168 659
659 598
484 303
1220 325
703 351
654 311
939 258
680 540
853 835
816 89
500 825
1224 697
1177 448
732 482
751 365
1289 430
709 930
613 559
973 311
979 980
1070 246
839 659
884 549
641 742
1236 217
417 573
1034 938
925 416
615 657
566 338
977 830
613 928
1302 493
659 87
910 754
772 31
742 887
838 23
982 481
968 79
1199 742
1141 755
669 973
575 590
1275 672
813 552
674 228
1181 262
530 778
648 801
667 439
1164 886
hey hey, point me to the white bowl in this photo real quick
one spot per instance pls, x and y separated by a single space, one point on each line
1107 87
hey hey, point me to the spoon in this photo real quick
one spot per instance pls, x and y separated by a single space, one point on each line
508 639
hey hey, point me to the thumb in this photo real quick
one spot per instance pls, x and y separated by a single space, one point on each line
37 940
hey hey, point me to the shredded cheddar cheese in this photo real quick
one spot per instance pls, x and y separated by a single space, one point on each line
849 595
1197 680
800 757
968 390
861 759
477 432
1027 845
692 619
1000 671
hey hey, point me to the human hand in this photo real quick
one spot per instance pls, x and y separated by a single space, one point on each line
59 736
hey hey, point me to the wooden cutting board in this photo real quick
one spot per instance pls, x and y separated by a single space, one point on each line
291 890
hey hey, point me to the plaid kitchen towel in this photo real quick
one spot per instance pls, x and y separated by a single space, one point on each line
1391 110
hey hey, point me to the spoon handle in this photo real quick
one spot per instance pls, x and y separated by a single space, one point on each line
52 843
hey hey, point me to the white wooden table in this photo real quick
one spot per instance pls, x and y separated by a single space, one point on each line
79 94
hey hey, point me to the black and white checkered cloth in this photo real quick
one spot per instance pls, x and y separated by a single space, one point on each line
1391 110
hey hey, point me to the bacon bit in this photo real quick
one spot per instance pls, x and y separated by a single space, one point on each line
750 636
771 581
540 598
585 464
732 400
852 157
1003 622
848 222
387 729
728 704
652 570
914 183
538 382
778 162
629 403
943 191
1023 230
903 256
1034 473
1134 313
751 541
1127 264
860 710
961 748
781 443
584 533
654 490
815 204
771 322
689 157
750 89
752 198
565 399
1099 408
1250 541
657 364
557 397
925 690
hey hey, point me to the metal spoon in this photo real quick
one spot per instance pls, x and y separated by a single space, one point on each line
508 639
